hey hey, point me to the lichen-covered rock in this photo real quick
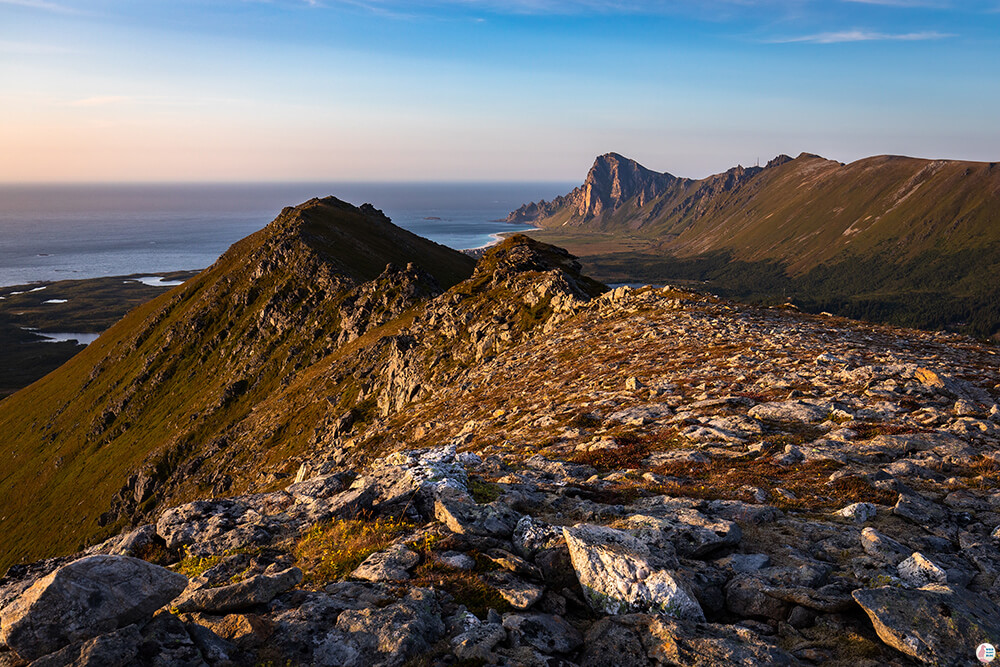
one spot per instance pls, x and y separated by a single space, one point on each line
393 564
394 634
547 633
256 590
621 574
689 532
641 639
114 649
858 512
86 598
918 570
938 625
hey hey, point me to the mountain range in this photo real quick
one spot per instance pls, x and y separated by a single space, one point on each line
898 239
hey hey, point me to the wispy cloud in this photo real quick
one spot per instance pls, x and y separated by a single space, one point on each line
32 49
100 101
915 4
43 5
846 36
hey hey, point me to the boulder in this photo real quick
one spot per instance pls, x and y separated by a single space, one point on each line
640 639
918 570
621 574
936 624
256 590
392 564
858 512
689 532
114 649
810 411
547 633
394 634
84 599
211 527
457 510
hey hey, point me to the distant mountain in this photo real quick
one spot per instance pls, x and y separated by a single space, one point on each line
907 240
298 334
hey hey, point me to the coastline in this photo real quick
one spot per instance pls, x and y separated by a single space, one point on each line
495 239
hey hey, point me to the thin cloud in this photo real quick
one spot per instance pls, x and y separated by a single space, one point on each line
100 101
32 49
43 5
847 36
914 4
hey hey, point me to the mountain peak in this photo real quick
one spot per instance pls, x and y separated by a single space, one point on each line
613 180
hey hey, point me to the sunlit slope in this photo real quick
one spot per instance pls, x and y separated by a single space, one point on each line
165 391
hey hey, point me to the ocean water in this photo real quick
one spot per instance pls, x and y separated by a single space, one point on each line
62 232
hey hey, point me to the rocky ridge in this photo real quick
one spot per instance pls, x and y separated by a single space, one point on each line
640 477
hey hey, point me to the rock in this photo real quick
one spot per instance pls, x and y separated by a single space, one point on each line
211 527
613 641
639 639
925 513
858 512
918 570
620 574
256 590
477 642
390 565
214 648
691 533
114 649
396 633
531 536
809 411
633 383
882 547
936 624
747 597
323 486
457 560
547 633
518 592
462 515
86 598
744 563
167 643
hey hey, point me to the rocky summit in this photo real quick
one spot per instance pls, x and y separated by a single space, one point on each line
514 466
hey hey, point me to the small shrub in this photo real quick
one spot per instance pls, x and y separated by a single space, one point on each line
482 491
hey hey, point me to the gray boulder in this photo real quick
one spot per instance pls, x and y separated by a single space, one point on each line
84 599
621 574
640 639
393 564
114 649
547 633
256 590
938 625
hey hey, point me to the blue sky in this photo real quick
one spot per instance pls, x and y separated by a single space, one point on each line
234 90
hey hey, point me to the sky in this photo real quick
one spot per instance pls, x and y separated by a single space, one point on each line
484 90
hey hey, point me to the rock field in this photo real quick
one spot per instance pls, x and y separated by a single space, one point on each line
654 477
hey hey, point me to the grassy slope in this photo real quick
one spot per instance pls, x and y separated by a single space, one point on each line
166 384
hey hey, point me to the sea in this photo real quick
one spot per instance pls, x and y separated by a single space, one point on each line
66 232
